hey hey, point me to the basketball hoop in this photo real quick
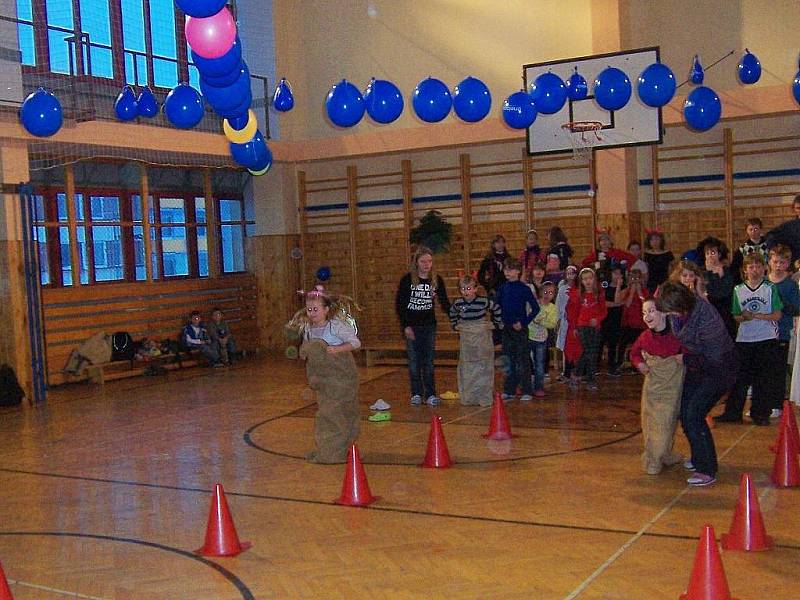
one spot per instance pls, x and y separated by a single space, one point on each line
583 135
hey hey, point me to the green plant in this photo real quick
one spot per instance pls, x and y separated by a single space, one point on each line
433 231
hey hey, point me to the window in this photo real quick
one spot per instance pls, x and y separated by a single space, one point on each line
60 27
202 236
27 44
138 239
106 238
232 230
174 251
95 22
63 235
165 52
40 235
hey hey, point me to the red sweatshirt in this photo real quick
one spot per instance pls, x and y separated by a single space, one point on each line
593 306
661 344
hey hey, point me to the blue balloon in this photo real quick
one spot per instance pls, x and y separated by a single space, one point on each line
183 106
383 100
239 110
225 98
749 68
702 109
323 273
577 88
252 154
519 110
263 161
283 98
125 106
549 93
218 67
431 100
472 100
345 104
697 74
201 8
41 113
147 104
656 85
796 87
612 88
239 122
226 79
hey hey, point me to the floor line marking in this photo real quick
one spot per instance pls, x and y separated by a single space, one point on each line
53 590
643 530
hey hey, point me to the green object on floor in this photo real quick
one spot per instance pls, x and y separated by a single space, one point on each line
380 416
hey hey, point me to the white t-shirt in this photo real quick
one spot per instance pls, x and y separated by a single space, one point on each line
764 299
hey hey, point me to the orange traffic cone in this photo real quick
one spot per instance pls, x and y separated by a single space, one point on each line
747 528
355 489
221 537
5 591
499 429
437 456
707 581
788 423
786 470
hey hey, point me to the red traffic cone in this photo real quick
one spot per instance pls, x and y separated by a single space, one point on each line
786 470
707 581
747 528
221 537
787 423
437 456
499 429
355 489
5 591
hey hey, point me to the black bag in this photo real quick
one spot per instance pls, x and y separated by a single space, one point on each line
122 346
11 393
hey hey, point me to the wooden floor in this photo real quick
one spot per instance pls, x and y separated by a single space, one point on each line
104 493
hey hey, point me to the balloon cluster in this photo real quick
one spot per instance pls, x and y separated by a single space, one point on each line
41 114
128 106
432 101
216 51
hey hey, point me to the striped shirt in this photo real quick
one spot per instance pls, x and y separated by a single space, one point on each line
474 310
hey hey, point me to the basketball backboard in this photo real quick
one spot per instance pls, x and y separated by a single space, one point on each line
633 125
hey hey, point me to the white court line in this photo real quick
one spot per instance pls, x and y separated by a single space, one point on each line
635 537
53 590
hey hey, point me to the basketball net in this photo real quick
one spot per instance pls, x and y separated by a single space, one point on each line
583 135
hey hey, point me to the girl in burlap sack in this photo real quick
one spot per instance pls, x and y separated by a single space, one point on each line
654 354
329 337
468 316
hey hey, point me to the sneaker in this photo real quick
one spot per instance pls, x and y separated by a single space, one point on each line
776 412
539 393
591 386
381 404
507 397
701 479
416 399
688 465
547 376
217 365
433 400
525 398
380 416
614 373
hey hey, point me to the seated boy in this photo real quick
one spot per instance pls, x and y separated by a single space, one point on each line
195 337
221 339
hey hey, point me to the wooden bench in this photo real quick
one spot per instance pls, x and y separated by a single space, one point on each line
122 369
156 310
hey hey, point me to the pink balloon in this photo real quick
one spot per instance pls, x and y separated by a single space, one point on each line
213 36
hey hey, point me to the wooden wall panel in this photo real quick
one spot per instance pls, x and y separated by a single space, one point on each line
14 344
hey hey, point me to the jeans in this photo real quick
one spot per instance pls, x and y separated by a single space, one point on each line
587 363
759 366
515 346
539 357
420 353
225 351
611 331
209 351
700 394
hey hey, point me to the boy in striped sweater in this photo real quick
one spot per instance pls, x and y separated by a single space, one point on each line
469 316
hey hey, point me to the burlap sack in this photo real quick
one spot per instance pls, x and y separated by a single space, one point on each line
661 400
475 363
334 378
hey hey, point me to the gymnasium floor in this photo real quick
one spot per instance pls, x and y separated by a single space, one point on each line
106 492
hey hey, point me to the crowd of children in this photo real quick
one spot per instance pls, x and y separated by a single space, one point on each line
616 299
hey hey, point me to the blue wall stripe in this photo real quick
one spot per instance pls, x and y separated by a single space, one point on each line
720 177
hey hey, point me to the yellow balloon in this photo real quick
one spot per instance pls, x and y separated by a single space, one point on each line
261 172
241 136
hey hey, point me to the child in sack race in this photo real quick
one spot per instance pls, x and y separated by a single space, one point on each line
329 337
655 353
